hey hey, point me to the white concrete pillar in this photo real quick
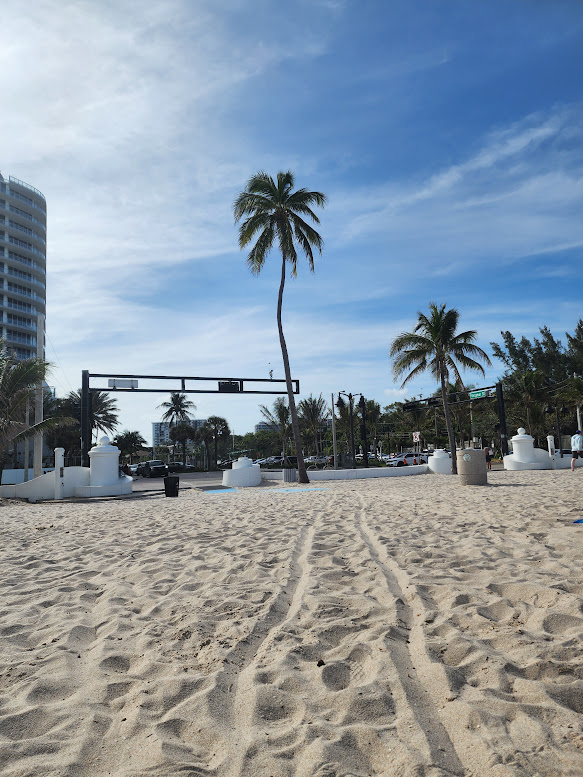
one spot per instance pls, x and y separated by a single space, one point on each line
103 463
523 446
59 472
551 447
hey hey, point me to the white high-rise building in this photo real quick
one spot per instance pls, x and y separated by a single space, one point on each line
161 431
23 234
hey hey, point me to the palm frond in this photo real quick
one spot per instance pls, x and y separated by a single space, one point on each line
262 247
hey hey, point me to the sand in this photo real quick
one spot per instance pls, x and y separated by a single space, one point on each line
388 627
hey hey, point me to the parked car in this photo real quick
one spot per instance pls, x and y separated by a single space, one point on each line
315 460
134 468
406 459
179 466
154 469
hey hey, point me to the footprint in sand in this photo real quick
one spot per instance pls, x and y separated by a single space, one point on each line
560 623
336 676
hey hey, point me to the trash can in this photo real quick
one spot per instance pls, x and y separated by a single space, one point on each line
290 475
171 485
471 467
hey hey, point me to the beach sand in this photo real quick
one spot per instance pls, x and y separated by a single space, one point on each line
397 627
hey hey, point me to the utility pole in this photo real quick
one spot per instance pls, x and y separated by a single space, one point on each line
334 447
502 418
37 456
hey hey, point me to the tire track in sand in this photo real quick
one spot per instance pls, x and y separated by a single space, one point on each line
231 701
423 686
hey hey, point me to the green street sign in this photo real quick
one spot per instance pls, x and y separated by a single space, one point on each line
478 394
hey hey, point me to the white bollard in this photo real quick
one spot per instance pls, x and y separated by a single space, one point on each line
59 472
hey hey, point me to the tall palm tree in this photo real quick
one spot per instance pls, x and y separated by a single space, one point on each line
434 345
220 429
273 211
313 412
178 409
278 420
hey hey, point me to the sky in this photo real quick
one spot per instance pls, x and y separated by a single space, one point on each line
445 134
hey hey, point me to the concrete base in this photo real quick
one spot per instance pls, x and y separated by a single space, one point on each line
124 486
353 474
75 482
242 477
545 462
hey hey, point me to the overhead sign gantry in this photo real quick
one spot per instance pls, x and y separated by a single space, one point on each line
130 383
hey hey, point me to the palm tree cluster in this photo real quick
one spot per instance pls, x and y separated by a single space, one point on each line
313 415
129 443
103 416
20 380
215 431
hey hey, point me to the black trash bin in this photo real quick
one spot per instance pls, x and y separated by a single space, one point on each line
171 485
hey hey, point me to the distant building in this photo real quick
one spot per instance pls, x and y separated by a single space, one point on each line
23 234
263 426
161 431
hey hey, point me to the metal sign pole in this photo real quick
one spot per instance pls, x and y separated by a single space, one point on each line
85 426
502 417
334 447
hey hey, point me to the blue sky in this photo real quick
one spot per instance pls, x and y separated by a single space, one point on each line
447 137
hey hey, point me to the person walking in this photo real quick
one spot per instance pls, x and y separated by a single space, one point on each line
576 448
488 458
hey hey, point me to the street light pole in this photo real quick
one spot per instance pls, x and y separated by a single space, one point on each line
334 448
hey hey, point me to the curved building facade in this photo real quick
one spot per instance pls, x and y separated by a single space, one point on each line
23 236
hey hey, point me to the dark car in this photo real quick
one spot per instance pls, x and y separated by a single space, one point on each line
154 469
179 466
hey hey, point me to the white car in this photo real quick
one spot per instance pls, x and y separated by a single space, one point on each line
407 459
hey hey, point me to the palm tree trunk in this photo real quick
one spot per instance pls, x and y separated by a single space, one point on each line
302 474
442 374
216 447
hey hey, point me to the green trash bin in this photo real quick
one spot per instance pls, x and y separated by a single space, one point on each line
171 485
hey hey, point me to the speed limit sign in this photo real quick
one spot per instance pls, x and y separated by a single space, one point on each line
416 436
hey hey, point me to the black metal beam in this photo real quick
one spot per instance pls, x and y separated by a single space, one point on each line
191 391
183 377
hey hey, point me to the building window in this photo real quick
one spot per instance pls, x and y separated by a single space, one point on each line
15 320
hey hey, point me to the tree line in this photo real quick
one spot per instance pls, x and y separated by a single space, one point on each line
543 380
